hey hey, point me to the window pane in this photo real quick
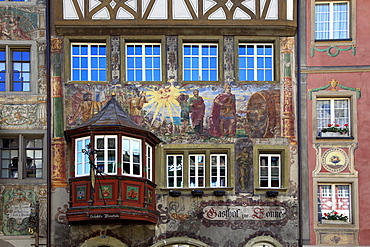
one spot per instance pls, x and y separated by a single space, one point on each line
90 61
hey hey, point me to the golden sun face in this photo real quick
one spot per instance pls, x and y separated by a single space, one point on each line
163 101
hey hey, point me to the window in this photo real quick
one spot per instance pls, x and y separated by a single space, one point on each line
143 62
15 69
175 171
88 62
196 170
218 170
149 162
197 175
331 20
82 159
335 197
131 160
333 111
269 171
256 62
106 154
200 62
21 157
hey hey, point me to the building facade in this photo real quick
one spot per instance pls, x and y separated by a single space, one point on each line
23 124
334 66
173 123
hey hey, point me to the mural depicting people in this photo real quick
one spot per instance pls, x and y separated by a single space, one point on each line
87 109
136 107
222 121
197 107
185 110
78 97
17 31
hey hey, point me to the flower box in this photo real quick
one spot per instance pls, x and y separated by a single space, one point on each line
333 134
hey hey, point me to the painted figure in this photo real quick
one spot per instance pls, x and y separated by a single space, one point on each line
87 109
222 121
185 110
197 107
136 107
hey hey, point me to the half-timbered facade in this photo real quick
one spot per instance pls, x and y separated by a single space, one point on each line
174 123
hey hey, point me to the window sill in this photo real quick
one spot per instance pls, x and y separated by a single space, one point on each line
335 137
207 190
332 40
263 190
347 225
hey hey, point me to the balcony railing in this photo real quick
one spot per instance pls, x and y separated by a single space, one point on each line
112 198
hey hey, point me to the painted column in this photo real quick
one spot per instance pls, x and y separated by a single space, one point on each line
59 170
229 64
171 52
287 50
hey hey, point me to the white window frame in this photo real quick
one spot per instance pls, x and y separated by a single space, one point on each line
198 166
333 197
85 159
331 19
143 68
207 169
255 57
106 162
333 119
176 177
89 56
131 153
149 162
200 56
218 168
269 169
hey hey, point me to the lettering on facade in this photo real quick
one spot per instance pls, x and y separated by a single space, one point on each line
103 216
19 211
265 213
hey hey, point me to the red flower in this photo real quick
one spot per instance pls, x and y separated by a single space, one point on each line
325 214
329 125
335 212
346 125
337 125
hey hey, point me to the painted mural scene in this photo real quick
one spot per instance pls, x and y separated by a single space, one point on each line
184 123
186 113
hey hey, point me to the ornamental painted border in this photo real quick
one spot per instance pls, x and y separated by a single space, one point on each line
333 50
357 90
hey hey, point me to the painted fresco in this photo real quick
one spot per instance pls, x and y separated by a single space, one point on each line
16 24
186 113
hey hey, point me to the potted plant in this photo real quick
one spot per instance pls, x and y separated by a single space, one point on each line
334 217
335 130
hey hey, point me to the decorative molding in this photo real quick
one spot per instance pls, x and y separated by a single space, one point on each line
333 50
334 84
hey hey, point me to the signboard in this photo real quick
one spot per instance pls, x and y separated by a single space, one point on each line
103 216
266 213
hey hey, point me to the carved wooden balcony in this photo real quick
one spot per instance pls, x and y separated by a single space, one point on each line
113 198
